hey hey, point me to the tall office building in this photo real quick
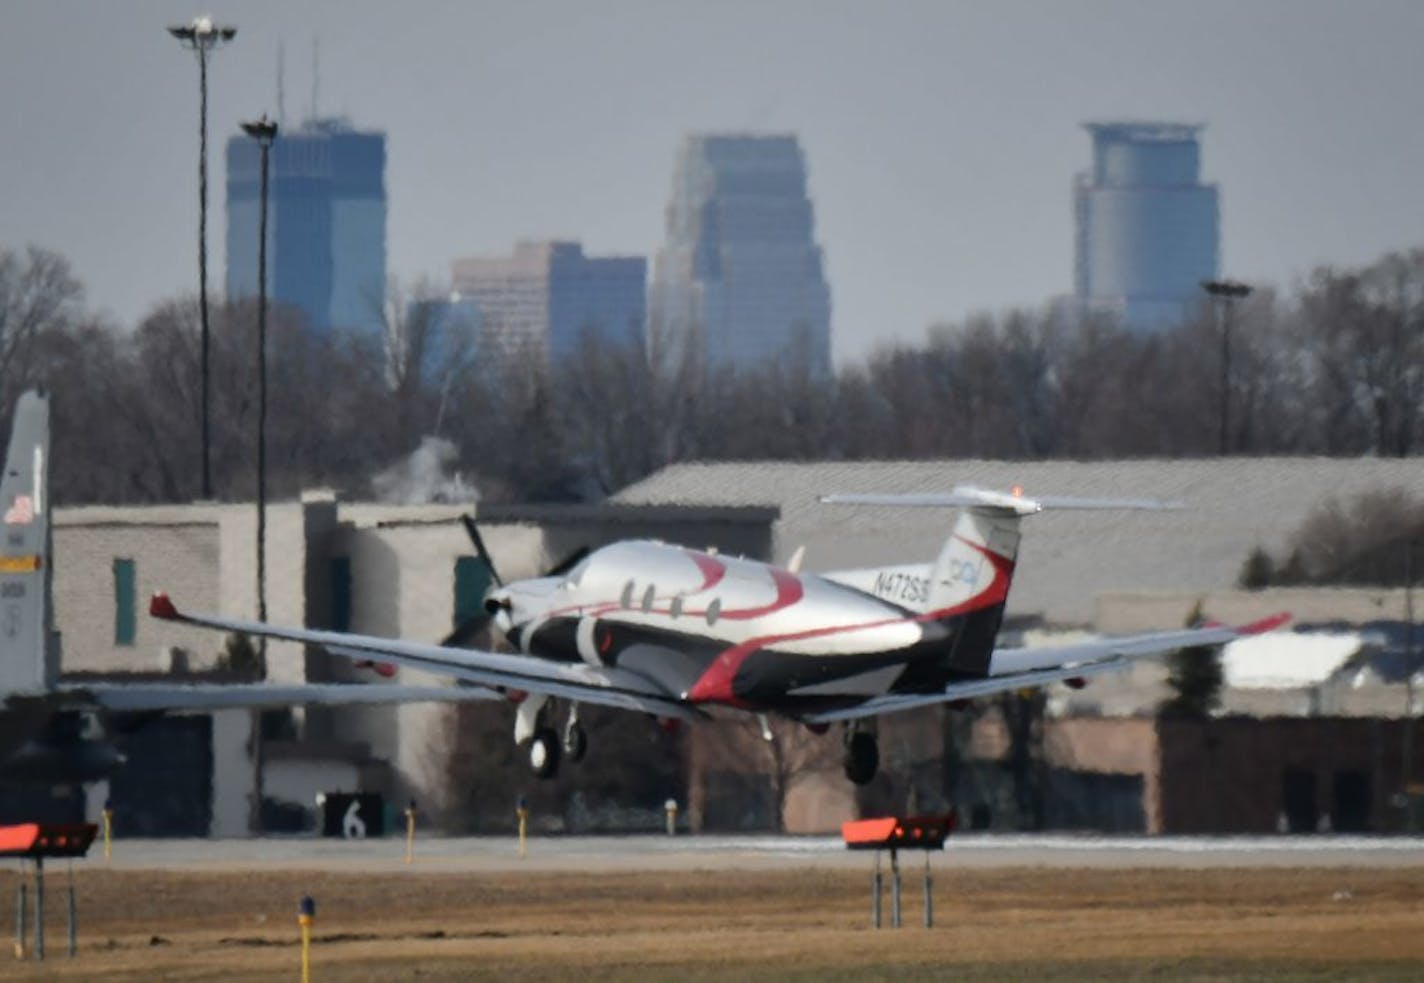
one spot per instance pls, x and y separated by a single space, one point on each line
1147 228
545 298
739 281
326 223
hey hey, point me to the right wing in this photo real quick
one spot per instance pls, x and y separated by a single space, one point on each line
1027 668
605 685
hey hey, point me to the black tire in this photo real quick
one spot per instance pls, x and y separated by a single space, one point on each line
543 752
862 757
575 743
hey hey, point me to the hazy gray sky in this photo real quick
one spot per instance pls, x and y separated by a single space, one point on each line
942 137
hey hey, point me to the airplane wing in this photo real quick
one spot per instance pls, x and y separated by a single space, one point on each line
605 685
221 696
1026 668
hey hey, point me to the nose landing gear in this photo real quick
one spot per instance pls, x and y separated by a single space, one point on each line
543 745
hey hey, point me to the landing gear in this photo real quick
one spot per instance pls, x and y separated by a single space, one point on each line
543 753
542 743
575 742
862 756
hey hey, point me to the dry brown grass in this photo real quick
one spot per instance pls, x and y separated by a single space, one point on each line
714 925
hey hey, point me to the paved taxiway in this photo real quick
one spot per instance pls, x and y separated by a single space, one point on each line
661 852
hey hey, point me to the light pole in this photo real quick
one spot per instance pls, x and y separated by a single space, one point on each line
264 131
1225 293
202 36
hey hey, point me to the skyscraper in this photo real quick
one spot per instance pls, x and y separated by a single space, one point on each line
739 282
545 298
1146 227
326 250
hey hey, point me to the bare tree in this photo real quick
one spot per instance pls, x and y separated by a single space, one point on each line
38 293
794 753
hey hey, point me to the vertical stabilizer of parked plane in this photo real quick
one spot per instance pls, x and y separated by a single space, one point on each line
29 658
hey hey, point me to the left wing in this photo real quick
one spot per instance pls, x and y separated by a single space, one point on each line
606 685
220 696
1026 668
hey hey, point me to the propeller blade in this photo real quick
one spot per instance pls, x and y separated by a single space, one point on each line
466 630
479 542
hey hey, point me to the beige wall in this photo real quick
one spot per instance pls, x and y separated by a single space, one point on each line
178 554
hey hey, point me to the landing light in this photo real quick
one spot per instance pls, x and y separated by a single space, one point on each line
1016 491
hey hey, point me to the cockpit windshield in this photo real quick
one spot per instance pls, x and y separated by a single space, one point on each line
575 576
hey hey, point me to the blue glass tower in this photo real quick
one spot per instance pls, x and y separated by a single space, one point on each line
1146 227
548 298
739 281
326 250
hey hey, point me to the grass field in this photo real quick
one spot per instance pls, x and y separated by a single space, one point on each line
1277 924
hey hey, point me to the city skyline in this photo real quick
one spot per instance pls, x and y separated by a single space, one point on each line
942 137
541 299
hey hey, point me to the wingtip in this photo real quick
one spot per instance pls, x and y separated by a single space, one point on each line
1266 624
161 606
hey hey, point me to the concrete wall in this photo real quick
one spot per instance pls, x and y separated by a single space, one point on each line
176 550
234 773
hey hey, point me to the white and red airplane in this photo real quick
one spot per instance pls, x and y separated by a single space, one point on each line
673 632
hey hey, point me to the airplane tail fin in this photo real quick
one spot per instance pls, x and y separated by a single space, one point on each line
968 583
29 657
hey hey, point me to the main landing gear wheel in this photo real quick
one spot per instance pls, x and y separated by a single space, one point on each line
544 753
862 757
575 743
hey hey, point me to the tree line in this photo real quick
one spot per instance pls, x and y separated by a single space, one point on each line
1334 366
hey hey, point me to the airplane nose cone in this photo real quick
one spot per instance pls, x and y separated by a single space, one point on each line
499 607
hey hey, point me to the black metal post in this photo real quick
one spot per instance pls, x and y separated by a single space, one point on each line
929 893
894 889
264 131
876 889
202 36
1225 293
22 901
203 261
73 916
39 908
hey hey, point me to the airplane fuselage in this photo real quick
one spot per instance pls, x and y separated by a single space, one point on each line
732 631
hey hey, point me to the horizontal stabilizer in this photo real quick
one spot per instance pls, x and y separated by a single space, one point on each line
970 497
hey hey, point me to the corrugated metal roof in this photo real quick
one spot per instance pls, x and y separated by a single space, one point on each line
1231 506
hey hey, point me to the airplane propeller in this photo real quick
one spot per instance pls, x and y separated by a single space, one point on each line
473 531
469 628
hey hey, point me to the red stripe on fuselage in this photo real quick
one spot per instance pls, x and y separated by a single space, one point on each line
715 685
713 570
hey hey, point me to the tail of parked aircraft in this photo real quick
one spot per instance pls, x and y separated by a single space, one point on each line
29 657
969 581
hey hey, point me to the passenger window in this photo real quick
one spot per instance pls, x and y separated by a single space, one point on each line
714 611
648 596
626 600
677 606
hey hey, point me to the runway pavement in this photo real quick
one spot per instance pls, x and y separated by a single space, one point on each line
688 852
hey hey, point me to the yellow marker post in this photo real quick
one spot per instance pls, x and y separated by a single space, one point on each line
306 915
108 831
410 833
521 810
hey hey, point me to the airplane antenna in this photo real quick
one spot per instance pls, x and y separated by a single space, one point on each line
281 85
316 73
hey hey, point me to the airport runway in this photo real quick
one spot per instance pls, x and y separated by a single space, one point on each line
687 852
